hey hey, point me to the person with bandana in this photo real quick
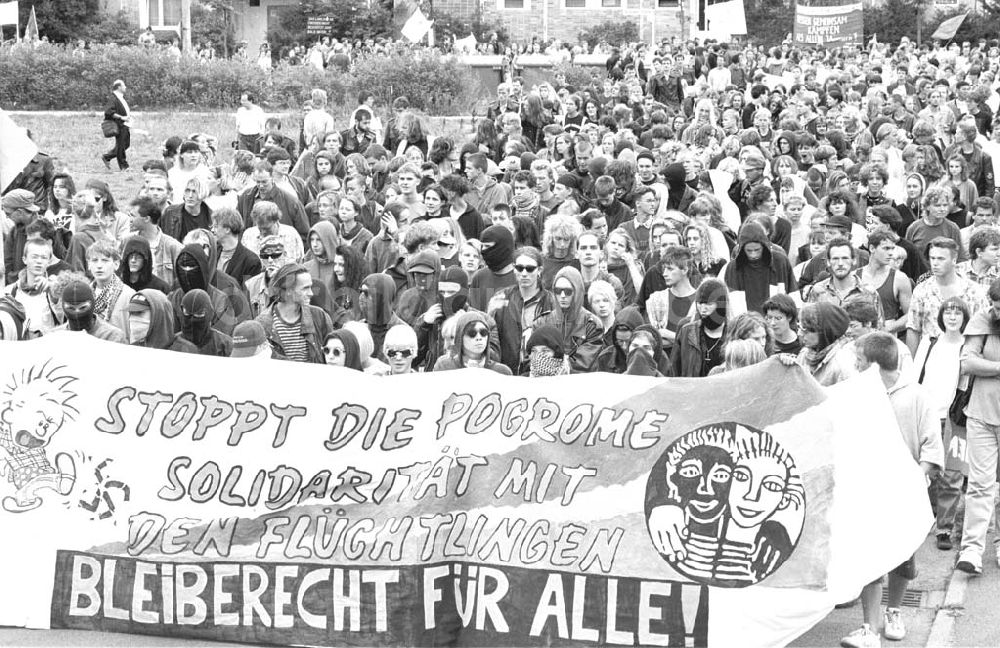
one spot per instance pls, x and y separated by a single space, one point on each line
546 356
150 321
471 349
136 269
378 292
581 330
193 274
218 278
498 254
272 257
645 353
197 335
110 292
827 353
295 328
77 306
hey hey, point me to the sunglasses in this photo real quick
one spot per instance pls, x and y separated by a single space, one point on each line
399 353
336 353
444 244
478 332
568 292
273 256
525 268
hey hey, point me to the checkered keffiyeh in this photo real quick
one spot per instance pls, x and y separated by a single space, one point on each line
25 464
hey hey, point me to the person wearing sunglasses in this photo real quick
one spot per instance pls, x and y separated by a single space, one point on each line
471 348
400 348
581 330
518 308
272 256
341 350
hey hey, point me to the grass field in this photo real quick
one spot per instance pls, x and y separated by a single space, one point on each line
75 141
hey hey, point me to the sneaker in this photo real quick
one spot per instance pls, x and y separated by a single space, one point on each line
892 626
944 542
863 637
969 567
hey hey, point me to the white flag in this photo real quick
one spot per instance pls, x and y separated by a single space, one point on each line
726 18
16 150
416 26
467 44
8 13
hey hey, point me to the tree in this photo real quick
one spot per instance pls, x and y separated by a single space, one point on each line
769 21
61 20
211 22
614 32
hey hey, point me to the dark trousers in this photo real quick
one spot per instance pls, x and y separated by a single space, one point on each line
122 141
248 143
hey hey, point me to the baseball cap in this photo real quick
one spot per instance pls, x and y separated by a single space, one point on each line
843 222
247 337
421 267
19 199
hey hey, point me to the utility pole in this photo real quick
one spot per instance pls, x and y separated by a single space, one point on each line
186 27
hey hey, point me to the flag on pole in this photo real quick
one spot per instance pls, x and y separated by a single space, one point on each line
467 44
726 18
416 26
31 30
16 150
8 13
948 29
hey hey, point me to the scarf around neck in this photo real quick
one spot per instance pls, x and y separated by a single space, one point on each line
106 297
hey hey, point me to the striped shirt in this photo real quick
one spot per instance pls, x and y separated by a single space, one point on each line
289 334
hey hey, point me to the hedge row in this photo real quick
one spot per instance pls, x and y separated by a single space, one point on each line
51 77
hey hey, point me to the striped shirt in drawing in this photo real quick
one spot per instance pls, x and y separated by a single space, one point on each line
289 335
702 554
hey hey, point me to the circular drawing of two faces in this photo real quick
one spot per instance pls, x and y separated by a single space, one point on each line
725 505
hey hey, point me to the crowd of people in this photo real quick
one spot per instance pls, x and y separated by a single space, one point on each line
703 208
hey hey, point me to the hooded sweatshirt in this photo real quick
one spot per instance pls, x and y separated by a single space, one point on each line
197 334
759 279
679 195
380 316
225 319
161 320
641 363
321 269
352 350
229 286
498 253
456 358
413 303
146 279
581 329
611 358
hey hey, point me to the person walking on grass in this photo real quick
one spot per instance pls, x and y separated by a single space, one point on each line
118 111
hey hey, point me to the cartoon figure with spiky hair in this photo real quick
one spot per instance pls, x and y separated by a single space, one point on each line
35 405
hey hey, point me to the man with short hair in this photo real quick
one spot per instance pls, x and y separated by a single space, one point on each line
584 151
613 209
984 254
359 136
485 191
281 167
646 205
145 222
982 214
526 202
235 259
944 282
843 284
542 170
249 123
290 210
408 179
667 308
31 288
294 327
266 218
157 188
589 255
892 287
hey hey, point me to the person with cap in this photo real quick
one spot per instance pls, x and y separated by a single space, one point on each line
399 349
193 272
341 349
118 111
150 320
250 341
471 348
293 326
758 269
545 350
752 165
567 193
581 330
272 256
20 209
419 305
77 305
145 222
498 254
197 334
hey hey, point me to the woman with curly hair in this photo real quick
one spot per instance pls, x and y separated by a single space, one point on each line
928 164
751 325
413 133
844 203
698 240
592 111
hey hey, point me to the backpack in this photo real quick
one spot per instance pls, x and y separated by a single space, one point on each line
13 308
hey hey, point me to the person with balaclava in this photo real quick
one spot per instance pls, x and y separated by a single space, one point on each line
757 270
827 352
150 321
295 328
613 357
323 241
471 348
197 335
679 194
378 291
136 268
341 350
580 329
366 347
645 353
77 305
231 288
546 353
699 344
498 254
193 273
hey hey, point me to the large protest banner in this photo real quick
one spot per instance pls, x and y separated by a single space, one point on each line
830 26
286 504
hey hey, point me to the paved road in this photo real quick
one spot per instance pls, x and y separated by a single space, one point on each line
978 622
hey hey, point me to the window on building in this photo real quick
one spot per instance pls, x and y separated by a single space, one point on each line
667 4
611 3
576 4
513 4
164 13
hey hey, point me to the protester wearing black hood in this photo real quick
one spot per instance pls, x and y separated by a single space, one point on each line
679 194
197 335
581 330
136 269
498 254
698 347
645 353
471 349
192 270
613 358
232 288
77 303
757 269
